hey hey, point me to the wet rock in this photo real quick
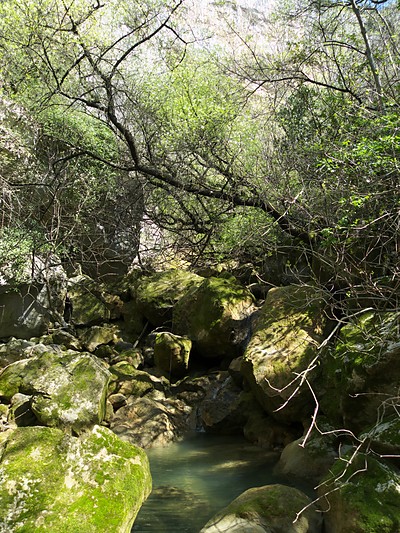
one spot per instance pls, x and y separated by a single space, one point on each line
52 482
268 509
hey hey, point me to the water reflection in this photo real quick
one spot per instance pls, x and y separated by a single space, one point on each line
194 479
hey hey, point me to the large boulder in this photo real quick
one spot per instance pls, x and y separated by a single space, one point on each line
156 295
67 389
52 482
361 374
33 301
216 316
90 303
284 343
148 423
171 353
268 509
361 495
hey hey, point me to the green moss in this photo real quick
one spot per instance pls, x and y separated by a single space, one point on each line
368 495
96 483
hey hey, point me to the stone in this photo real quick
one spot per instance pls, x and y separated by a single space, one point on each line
14 350
96 336
288 332
68 389
310 461
361 496
52 482
220 411
171 353
361 374
148 423
89 305
156 295
216 316
384 437
31 304
268 509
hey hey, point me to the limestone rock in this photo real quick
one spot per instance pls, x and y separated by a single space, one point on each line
220 411
156 295
384 436
268 509
361 497
288 331
148 423
310 462
55 483
38 301
216 316
99 335
171 353
362 371
67 389
89 305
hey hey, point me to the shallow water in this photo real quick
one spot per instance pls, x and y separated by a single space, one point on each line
194 479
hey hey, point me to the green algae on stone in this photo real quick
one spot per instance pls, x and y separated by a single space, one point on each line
214 315
156 295
288 332
89 305
51 482
69 389
171 353
272 508
362 370
362 497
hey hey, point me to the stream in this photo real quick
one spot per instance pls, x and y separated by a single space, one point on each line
194 479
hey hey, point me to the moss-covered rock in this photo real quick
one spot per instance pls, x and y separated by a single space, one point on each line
308 461
68 389
288 332
384 437
156 295
362 371
91 304
171 353
215 315
51 482
268 509
99 335
362 497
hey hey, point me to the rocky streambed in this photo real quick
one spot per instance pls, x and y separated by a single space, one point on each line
93 374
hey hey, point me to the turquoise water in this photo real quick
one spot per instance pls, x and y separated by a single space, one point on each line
194 479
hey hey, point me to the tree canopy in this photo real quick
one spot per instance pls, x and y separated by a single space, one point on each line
279 131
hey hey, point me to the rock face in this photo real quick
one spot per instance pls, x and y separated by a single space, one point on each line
364 502
51 482
67 389
39 300
156 295
268 509
90 303
363 371
171 353
215 315
284 343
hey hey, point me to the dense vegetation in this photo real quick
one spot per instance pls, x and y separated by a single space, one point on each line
264 135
